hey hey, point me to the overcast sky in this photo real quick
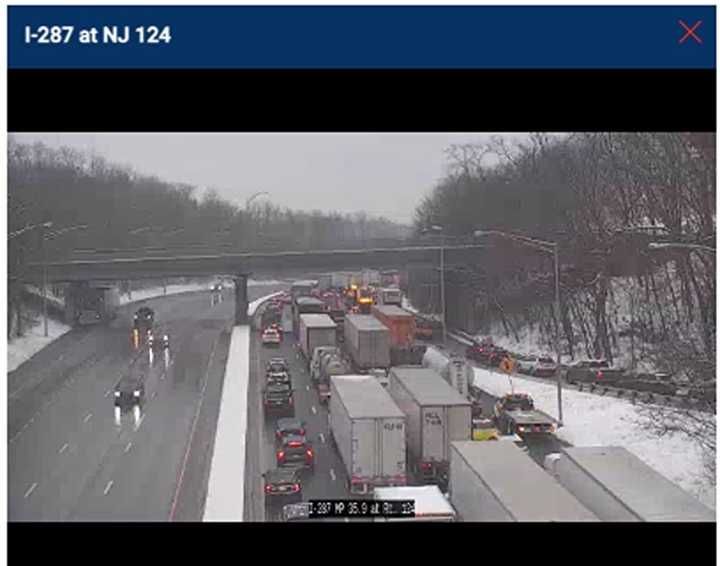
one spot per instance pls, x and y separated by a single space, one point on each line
382 174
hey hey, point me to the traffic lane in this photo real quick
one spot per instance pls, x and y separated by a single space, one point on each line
328 480
62 446
139 484
142 481
28 462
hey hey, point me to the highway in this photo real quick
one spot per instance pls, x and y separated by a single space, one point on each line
329 480
72 457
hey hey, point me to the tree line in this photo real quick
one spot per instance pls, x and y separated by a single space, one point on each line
94 204
603 197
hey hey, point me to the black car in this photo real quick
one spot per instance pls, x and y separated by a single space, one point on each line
281 487
130 392
287 427
278 399
295 451
144 317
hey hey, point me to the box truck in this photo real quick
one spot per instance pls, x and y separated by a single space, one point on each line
617 486
367 341
436 415
498 482
315 330
368 430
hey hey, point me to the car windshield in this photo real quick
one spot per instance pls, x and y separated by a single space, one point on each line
278 388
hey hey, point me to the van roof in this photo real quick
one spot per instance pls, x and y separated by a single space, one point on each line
642 490
427 387
524 489
317 321
364 397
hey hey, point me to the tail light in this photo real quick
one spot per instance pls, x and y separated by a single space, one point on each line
296 487
268 489
309 453
295 444
599 375
426 465
280 455
302 432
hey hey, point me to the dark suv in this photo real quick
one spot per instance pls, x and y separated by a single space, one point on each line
278 399
130 392
295 452
281 487
144 317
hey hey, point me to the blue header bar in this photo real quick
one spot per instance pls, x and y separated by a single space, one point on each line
371 37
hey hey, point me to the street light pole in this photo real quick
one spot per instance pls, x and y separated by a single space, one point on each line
558 315
442 287
44 276
548 247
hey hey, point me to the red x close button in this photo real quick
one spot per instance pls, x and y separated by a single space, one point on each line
690 31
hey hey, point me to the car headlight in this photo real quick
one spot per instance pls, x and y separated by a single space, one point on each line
136 393
117 394
165 337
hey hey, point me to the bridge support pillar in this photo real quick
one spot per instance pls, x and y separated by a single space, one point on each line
72 302
241 300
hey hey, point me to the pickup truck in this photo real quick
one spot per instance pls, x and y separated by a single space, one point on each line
515 413
593 371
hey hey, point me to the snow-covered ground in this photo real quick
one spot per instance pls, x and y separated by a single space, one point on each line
24 348
593 420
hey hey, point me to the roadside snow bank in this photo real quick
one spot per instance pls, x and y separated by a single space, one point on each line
25 347
225 498
593 420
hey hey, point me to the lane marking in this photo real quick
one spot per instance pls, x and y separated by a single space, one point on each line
87 417
322 438
332 474
307 388
153 395
142 418
64 447
192 432
107 487
30 490
314 410
127 448
107 393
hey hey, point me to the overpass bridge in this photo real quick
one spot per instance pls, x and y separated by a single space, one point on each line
114 267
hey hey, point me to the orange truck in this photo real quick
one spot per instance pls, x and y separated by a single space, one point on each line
400 322
402 334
